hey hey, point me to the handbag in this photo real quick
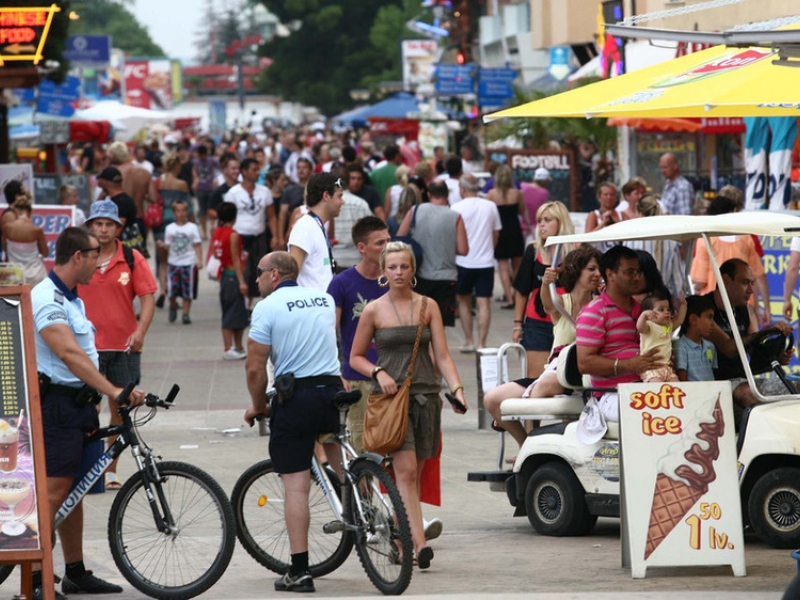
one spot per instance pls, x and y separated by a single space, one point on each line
154 213
386 419
409 239
213 264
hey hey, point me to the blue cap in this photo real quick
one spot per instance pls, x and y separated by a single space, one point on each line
104 209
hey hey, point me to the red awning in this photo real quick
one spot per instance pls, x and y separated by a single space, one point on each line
706 126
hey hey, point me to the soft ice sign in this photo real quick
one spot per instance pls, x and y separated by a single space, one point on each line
727 62
680 488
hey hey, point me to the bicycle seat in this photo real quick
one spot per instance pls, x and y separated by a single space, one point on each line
344 399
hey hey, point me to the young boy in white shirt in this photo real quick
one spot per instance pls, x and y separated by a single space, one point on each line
182 238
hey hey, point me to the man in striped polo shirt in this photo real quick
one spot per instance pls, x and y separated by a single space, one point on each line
608 342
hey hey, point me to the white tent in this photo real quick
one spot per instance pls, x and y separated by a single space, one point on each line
131 119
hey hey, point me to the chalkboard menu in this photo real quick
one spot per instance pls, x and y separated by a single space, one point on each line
46 185
560 163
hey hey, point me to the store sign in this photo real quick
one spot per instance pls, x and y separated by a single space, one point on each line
680 480
23 32
148 84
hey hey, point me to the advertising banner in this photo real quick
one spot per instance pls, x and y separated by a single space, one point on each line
54 220
148 84
680 489
419 62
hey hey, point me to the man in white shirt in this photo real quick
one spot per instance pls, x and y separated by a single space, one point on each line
255 211
345 252
140 160
454 172
308 243
476 269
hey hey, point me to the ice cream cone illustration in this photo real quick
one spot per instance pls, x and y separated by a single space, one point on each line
677 491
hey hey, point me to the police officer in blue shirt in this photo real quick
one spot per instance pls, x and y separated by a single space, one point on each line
70 389
296 326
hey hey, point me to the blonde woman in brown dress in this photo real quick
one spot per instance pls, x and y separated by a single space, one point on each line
392 321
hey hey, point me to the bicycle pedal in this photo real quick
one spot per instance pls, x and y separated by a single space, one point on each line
333 527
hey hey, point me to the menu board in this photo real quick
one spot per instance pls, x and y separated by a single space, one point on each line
559 163
19 525
680 489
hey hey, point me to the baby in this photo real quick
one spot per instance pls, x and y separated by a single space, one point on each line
696 357
655 327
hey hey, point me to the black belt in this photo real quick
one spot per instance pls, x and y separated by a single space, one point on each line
321 380
63 390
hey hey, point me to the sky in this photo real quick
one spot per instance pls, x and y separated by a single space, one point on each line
173 24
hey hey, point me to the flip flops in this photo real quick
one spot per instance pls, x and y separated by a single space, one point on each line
112 483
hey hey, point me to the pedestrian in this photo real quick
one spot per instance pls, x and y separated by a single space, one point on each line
409 199
392 321
476 269
205 168
70 386
391 201
308 242
170 188
441 234
345 252
533 327
135 182
534 194
68 195
184 252
510 244
302 344
229 169
25 242
226 245
384 175
678 195
121 276
255 221
110 181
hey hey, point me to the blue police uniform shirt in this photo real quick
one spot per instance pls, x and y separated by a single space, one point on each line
55 304
299 324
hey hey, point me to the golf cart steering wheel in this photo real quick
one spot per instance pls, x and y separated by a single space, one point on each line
766 347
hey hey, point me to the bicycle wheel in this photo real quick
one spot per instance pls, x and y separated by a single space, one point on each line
186 561
383 542
258 502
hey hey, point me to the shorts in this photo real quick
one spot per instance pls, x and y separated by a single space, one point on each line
357 412
295 425
767 386
203 196
65 424
537 336
120 368
424 424
444 293
480 280
664 373
234 309
180 282
256 248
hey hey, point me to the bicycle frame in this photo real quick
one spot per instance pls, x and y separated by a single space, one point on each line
127 437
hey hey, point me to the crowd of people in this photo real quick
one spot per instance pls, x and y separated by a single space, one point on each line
329 253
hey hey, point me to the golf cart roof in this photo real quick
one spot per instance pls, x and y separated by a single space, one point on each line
686 227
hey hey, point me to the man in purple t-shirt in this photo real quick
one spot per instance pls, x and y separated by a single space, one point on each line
608 342
352 289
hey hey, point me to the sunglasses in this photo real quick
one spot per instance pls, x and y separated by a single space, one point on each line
88 250
260 271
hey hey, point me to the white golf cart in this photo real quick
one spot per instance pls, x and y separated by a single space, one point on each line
563 485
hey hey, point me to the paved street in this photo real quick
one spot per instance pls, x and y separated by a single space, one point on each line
483 551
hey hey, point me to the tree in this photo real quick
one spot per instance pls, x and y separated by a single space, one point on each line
340 45
107 17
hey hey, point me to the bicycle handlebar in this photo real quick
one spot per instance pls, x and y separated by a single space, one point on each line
123 396
153 400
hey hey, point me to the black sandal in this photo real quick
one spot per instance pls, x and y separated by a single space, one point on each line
425 557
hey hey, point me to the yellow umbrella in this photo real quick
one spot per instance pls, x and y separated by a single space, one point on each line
717 82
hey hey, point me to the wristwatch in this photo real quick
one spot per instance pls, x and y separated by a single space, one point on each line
377 370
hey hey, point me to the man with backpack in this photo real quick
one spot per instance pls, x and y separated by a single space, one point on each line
122 274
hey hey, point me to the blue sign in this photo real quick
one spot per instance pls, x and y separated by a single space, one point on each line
88 50
494 86
507 75
452 80
58 100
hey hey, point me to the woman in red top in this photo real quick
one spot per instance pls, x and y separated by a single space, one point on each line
226 245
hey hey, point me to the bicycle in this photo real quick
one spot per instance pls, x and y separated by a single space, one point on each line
360 506
171 526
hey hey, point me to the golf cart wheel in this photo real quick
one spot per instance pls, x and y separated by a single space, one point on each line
556 503
774 507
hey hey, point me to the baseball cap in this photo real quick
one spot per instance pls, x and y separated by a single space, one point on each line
110 174
104 209
592 424
541 174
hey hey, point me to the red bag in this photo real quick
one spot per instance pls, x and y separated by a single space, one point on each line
154 213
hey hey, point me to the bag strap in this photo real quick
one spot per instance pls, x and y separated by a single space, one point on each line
419 337
413 219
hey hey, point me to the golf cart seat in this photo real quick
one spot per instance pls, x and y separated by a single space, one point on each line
555 407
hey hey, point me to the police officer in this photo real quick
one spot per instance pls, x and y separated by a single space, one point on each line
297 327
70 388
